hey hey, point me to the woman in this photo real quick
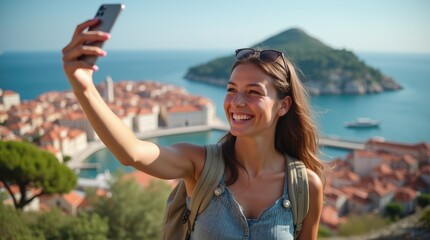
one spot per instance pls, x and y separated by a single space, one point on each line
265 100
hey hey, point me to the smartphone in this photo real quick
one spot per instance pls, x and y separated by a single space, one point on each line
107 13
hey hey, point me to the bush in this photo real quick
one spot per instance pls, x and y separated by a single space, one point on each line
324 232
66 159
394 210
360 224
50 225
86 227
423 200
425 218
12 225
133 212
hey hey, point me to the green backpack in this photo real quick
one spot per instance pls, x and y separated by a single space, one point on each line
179 220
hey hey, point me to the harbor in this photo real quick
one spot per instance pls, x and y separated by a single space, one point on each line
78 159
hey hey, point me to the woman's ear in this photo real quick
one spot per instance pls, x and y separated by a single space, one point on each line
285 105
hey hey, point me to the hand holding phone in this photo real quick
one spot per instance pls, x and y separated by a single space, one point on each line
107 15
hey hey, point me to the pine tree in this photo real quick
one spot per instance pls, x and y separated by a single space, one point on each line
34 171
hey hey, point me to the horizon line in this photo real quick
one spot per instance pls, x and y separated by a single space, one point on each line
2 52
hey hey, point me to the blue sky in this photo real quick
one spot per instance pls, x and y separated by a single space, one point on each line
365 25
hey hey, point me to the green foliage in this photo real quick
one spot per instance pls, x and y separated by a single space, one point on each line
28 167
394 210
218 68
425 218
66 159
12 225
122 210
360 224
423 200
133 212
49 225
324 232
154 199
86 227
3 196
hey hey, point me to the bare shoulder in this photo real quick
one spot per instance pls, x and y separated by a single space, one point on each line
195 153
311 221
189 149
315 183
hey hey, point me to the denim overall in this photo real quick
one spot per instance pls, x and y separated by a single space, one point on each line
224 219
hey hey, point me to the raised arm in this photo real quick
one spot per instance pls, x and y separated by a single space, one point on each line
176 161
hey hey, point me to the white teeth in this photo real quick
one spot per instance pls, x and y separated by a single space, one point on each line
241 117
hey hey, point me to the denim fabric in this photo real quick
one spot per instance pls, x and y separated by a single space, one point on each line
223 219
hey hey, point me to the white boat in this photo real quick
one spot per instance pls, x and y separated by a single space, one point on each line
363 123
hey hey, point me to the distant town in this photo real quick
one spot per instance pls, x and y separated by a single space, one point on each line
55 122
365 181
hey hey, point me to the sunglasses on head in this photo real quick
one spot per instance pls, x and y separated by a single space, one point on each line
267 56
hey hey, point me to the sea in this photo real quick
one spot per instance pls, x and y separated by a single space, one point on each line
404 114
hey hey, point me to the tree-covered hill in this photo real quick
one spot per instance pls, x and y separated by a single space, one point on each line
325 70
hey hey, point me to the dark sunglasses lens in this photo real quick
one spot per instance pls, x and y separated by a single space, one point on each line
269 56
244 53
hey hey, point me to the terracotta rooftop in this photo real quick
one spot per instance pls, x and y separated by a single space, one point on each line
346 174
144 179
383 169
382 189
405 194
365 154
185 108
330 217
73 198
8 93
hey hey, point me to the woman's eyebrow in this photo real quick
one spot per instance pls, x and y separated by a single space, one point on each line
254 85
248 85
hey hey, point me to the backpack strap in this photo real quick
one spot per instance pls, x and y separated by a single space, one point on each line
210 177
298 191
175 216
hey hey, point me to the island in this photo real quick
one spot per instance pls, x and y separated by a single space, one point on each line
323 70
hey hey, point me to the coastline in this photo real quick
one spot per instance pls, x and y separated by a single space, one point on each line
94 146
78 159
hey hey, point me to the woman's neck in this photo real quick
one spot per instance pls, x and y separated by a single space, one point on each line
258 155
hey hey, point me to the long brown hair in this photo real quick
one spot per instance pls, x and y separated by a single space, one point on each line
296 133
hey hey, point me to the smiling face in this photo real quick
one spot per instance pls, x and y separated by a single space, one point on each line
251 104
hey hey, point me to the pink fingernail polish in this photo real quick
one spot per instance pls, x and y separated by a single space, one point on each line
95 68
